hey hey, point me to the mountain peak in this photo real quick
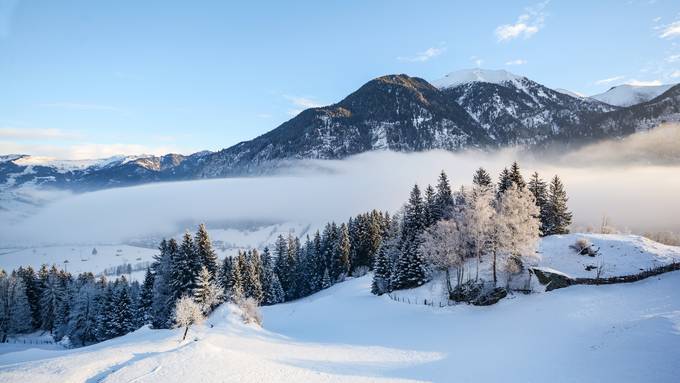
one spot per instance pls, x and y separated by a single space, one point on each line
628 94
465 76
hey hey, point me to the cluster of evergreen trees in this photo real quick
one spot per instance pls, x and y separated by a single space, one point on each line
294 269
84 309
400 262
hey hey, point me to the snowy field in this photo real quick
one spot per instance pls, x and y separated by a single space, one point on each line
79 258
615 333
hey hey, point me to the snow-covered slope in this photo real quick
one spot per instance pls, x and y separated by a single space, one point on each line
475 75
627 95
570 93
616 333
618 255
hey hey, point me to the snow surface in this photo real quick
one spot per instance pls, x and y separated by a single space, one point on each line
627 95
619 254
475 75
621 333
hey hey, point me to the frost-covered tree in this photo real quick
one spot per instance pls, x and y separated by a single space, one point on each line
516 230
187 312
477 221
207 293
122 318
558 214
238 269
251 278
443 247
205 252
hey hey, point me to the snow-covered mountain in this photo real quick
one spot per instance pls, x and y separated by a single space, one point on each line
470 109
627 95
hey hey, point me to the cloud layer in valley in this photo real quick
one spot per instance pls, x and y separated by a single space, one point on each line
641 195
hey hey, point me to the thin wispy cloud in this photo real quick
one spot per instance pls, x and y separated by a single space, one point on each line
527 24
516 62
671 30
673 58
675 74
425 55
14 133
82 106
609 80
301 103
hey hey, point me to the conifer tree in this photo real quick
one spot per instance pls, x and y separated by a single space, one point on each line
207 294
325 280
226 273
205 252
516 176
30 280
144 307
163 297
558 215
482 179
382 271
237 271
539 189
185 267
443 198
504 182
343 250
50 300
251 277
430 208
271 287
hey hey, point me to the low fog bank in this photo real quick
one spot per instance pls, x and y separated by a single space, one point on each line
635 197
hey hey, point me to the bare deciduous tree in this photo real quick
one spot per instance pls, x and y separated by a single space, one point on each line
187 312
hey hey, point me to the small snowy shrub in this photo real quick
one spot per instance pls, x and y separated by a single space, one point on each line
250 311
584 247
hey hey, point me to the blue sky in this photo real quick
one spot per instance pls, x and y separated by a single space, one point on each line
84 79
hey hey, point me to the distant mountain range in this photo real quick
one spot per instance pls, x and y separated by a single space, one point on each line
471 109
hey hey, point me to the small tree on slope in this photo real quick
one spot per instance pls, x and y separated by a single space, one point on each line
187 313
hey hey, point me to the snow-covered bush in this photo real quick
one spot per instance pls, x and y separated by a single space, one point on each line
360 271
187 312
250 311
584 247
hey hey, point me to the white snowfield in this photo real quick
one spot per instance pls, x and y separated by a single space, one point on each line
627 95
465 76
614 333
78 258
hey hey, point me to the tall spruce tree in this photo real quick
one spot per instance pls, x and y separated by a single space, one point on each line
504 182
205 252
539 189
443 198
558 216
482 179
430 207
516 176
144 306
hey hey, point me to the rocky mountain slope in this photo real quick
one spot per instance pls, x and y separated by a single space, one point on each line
471 109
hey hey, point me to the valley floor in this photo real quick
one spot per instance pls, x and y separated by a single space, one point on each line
621 333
